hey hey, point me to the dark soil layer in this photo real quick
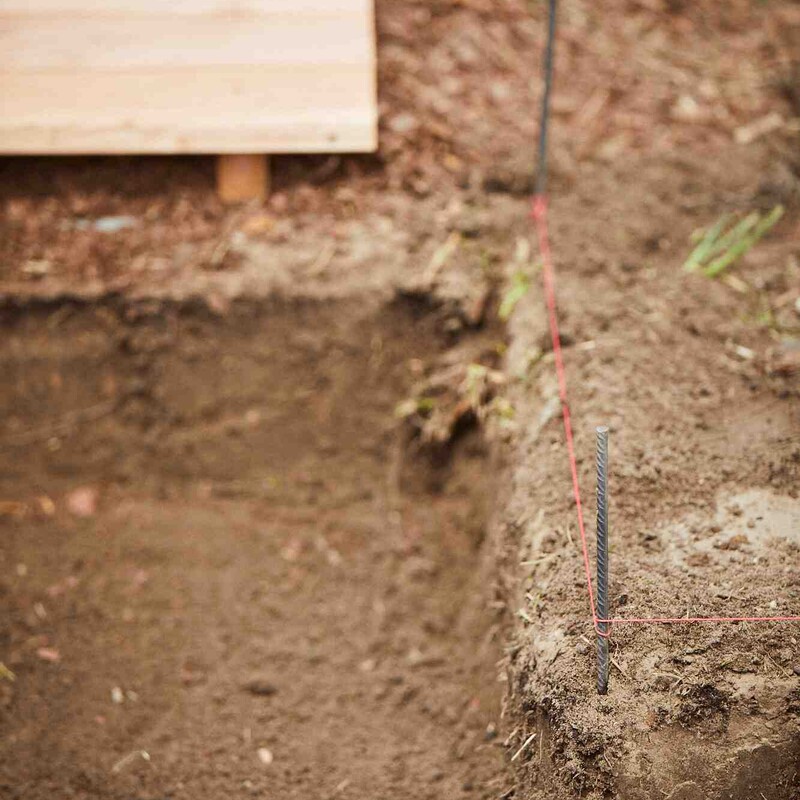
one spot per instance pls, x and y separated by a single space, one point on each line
223 575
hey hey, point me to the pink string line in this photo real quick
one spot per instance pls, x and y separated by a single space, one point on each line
539 215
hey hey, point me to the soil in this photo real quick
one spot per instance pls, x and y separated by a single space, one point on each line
278 487
237 560
705 518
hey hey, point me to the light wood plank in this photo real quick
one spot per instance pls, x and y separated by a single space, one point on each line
169 40
350 134
218 77
133 8
170 93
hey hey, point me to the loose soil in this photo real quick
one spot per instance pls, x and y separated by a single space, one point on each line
226 380
261 568
704 511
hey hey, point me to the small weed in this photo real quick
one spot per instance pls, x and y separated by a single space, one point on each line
457 393
723 243
520 279
414 405
520 283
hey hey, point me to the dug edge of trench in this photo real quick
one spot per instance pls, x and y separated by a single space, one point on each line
694 712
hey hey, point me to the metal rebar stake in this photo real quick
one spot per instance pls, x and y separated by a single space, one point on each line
602 557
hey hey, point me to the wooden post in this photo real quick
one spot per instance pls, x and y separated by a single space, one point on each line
242 177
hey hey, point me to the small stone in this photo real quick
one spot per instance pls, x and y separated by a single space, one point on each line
403 123
37 268
50 654
796 669
113 224
686 109
265 756
499 91
82 502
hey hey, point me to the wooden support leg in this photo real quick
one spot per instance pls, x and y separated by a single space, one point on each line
242 177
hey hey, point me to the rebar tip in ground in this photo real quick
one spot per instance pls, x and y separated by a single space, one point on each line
602 557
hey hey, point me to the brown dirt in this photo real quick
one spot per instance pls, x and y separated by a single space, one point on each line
705 461
656 133
264 565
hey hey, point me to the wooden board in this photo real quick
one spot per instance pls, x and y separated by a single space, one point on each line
189 76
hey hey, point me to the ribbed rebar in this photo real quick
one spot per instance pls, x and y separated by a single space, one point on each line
541 165
602 557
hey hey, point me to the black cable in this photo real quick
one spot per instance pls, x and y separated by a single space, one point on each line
541 167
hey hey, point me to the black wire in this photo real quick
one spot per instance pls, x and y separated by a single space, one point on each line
541 170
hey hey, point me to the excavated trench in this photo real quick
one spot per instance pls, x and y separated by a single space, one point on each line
227 569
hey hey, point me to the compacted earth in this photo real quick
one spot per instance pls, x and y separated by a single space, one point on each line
284 497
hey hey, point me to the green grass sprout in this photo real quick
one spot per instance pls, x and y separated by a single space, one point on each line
520 283
720 246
